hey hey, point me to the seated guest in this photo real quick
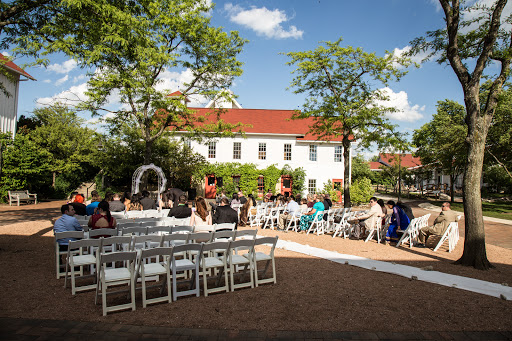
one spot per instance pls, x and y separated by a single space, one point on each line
108 196
102 218
303 204
201 215
126 199
241 197
224 213
116 205
368 220
399 221
441 223
95 200
146 202
173 195
77 202
182 210
135 204
235 202
244 212
327 199
66 223
269 194
292 209
251 198
307 218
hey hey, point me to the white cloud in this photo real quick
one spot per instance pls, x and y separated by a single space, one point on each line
399 100
47 81
78 78
263 21
65 67
417 58
71 97
62 80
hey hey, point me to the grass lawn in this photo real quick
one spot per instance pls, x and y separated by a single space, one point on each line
500 209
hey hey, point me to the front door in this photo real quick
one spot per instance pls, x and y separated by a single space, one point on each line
337 184
286 185
210 189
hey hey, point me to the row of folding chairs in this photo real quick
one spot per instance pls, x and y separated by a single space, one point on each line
222 255
410 234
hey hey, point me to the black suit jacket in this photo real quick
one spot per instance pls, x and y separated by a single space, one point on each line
174 195
148 204
225 214
180 212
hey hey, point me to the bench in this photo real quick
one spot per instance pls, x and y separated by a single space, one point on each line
21 196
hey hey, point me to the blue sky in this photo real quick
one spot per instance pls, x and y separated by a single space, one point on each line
273 27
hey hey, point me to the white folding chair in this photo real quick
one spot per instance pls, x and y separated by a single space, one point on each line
134 214
204 228
449 235
273 217
215 259
245 234
59 266
118 215
182 229
80 254
151 213
133 231
409 233
164 212
317 225
376 229
295 219
145 242
116 276
184 265
260 256
235 260
102 232
147 268
225 227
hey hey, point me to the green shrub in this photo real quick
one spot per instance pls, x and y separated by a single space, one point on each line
361 191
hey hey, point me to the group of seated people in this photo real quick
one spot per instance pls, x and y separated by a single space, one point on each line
400 216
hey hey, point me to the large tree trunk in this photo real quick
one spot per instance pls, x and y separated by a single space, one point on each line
148 152
474 242
452 188
346 172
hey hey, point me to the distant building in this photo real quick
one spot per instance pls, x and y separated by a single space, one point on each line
9 104
273 139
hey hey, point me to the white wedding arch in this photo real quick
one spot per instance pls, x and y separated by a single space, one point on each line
137 175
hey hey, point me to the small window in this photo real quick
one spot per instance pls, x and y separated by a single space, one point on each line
312 186
262 151
338 153
287 151
312 153
187 143
237 150
236 181
212 150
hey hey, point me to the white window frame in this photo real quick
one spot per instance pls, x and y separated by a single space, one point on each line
313 152
212 150
287 152
311 186
338 153
237 150
262 151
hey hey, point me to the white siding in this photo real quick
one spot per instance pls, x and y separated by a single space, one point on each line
322 170
9 105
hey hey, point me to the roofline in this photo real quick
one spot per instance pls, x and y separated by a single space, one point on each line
25 74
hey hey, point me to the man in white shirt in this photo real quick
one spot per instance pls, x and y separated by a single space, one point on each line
292 208
368 220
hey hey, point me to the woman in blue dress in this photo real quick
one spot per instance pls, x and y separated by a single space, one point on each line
307 218
399 220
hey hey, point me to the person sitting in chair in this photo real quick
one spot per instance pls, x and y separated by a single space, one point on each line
225 214
441 223
66 223
182 210
368 220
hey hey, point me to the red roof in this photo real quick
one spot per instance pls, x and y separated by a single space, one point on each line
267 121
406 160
374 165
13 67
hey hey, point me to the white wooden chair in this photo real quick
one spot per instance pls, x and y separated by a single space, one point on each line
235 260
214 260
59 265
134 214
184 265
410 233
245 234
451 234
259 256
272 218
376 229
116 276
102 232
133 231
317 225
80 254
151 213
148 268
225 227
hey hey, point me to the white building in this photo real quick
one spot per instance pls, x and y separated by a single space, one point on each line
9 104
272 138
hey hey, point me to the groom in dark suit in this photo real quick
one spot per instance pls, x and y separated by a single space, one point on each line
225 214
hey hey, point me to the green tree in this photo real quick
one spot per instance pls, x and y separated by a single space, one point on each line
342 98
360 168
441 141
72 147
362 190
469 44
25 166
169 36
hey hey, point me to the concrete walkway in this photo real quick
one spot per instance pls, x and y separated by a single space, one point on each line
33 329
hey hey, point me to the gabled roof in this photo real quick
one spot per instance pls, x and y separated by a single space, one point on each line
375 166
406 160
13 67
266 121
178 94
